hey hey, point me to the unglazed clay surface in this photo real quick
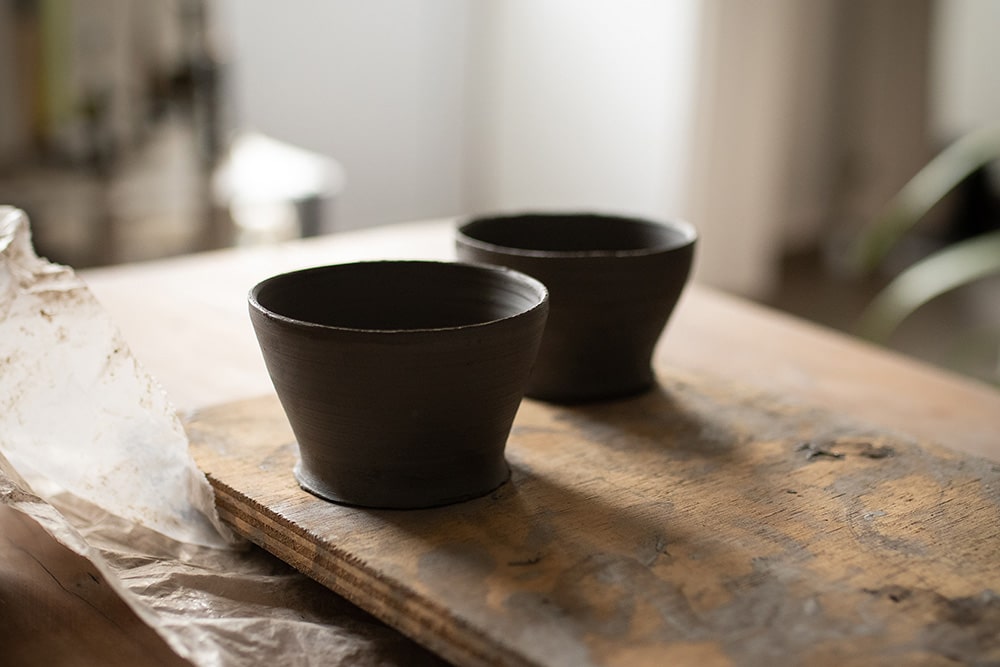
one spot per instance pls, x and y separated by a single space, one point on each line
400 379
614 282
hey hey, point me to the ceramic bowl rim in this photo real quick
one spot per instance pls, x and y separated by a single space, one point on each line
688 232
540 297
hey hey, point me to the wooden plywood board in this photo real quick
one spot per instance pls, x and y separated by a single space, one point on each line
698 523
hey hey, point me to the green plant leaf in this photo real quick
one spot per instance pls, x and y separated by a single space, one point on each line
943 271
928 187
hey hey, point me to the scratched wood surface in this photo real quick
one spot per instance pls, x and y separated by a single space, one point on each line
699 523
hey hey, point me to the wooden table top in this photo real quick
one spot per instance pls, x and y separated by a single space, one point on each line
186 321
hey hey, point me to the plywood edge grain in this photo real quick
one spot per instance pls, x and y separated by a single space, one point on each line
636 531
390 601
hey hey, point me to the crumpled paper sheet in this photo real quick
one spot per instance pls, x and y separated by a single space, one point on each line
91 449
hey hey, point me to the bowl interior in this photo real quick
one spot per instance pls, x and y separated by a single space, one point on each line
577 234
398 295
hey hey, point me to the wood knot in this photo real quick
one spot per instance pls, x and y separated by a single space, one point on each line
814 450
860 448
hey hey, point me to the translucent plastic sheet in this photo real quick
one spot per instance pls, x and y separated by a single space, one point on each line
91 450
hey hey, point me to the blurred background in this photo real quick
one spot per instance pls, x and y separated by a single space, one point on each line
799 137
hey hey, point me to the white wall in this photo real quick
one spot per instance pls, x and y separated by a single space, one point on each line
443 107
376 84
964 78
582 105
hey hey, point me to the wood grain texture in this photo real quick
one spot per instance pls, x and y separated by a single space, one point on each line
701 522
57 609
195 338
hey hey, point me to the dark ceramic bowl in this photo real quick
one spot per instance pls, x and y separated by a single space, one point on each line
614 282
400 379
